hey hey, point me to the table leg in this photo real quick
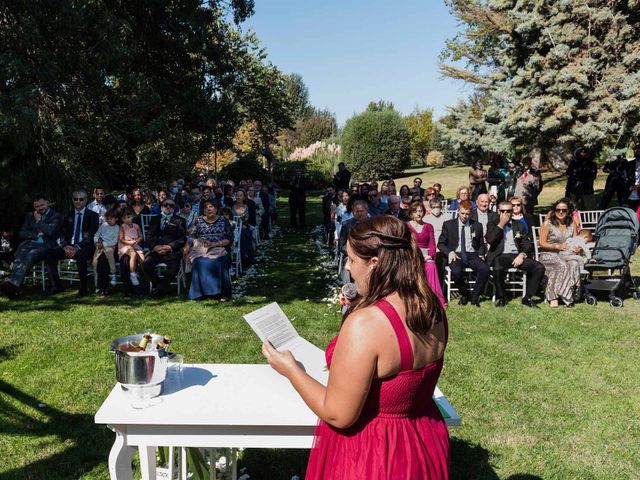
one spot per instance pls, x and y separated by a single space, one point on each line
148 462
120 458
234 462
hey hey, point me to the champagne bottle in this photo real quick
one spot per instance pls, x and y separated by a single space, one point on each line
160 347
132 347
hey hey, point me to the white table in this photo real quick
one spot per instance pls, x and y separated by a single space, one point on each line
214 406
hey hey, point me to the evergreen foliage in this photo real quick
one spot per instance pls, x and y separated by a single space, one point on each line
550 74
376 144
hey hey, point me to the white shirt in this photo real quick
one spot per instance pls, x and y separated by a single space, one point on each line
509 241
108 234
467 237
99 208
483 218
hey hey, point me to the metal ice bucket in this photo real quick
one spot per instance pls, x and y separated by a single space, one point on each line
140 369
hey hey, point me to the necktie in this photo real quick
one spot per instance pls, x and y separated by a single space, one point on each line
77 232
463 244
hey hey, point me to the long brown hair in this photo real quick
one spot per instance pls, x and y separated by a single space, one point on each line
400 268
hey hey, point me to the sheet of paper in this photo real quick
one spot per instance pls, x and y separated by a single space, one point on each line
271 323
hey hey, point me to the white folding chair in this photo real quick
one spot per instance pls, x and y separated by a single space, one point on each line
535 235
448 280
589 218
145 220
515 282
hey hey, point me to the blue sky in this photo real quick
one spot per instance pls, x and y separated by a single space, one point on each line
352 52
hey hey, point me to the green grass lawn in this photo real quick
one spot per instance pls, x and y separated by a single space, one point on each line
542 394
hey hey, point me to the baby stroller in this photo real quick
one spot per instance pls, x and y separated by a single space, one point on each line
616 239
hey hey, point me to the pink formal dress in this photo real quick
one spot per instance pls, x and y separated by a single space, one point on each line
400 432
426 239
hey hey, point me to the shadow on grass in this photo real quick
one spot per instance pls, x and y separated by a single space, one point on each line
274 464
88 445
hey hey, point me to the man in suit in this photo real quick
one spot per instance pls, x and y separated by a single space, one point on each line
78 229
462 243
417 184
395 210
510 247
328 202
39 233
298 198
167 235
481 213
342 179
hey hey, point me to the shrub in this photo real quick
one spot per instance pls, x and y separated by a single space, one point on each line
317 169
375 144
245 167
435 159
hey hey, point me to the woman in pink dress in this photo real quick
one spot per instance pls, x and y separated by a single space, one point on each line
427 244
377 416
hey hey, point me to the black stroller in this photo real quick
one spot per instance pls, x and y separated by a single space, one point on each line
616 239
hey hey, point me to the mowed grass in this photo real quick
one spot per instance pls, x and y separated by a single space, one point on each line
552 394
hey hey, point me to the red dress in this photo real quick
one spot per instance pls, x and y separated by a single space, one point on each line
400 433
426 240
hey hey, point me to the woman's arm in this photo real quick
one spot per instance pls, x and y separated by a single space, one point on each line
431 241
353 367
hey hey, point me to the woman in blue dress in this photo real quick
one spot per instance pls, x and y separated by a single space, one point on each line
209 254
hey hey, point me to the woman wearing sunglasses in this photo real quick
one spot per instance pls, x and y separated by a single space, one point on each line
562 262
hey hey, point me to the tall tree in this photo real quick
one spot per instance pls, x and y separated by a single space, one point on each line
420 127
554 73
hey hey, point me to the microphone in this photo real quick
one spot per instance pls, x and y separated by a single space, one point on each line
350 292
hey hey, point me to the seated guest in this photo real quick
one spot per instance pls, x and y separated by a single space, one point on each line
130 244
436 219
376 207
186 212
463 193
406 202
519 214
437 191
341 212
562 262
106 241
510 247
241 208
482 213
360 212
429 193
227 198
149 200
167 235
404 191
78 229
462 243
209 255
137 204
156 209
196 198
395 209
39 233
96 205
417 185
423 233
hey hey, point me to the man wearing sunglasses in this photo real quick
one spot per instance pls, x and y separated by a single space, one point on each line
78 229
167 235
510 247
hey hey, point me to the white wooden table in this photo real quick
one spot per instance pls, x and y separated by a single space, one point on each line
214 406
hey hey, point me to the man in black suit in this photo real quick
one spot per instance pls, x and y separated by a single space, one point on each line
167 235
298 198
417 184
78 229
462 243
510 247
342 179
395 209
39 233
